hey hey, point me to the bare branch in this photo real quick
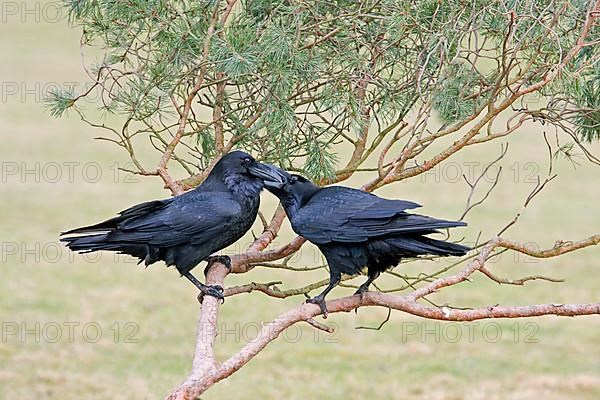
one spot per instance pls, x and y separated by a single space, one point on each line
271 331
197 383
520 281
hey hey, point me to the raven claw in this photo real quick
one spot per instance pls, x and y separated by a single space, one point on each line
211 290
320 301
361 291
225 260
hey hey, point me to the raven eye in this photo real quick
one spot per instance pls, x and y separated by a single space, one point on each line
293 179
247 161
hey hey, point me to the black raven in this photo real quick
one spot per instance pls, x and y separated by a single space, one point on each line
186 229
354 229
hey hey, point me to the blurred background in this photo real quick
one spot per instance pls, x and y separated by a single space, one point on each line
101 327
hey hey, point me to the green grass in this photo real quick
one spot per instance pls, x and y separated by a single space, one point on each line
353 364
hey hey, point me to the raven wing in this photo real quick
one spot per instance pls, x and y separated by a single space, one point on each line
191 219
137 211
340 214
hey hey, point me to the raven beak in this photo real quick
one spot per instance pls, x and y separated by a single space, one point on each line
270 174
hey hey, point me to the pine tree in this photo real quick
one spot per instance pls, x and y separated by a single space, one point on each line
331 88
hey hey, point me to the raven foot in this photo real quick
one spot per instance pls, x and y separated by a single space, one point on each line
320 301
211 290
225 260
362 289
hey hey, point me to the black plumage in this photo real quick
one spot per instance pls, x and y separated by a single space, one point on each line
186 229
354 229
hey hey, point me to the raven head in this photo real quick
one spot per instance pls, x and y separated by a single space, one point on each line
242 173
293 190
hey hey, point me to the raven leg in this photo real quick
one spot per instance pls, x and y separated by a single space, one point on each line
225 260
209 290
320 298
365 286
